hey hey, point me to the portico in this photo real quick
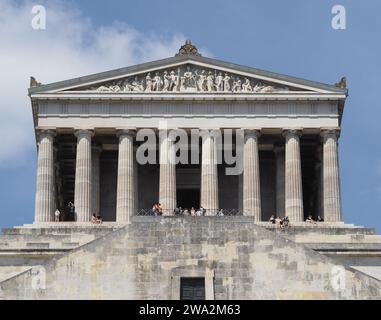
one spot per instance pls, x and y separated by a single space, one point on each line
289 129
265 180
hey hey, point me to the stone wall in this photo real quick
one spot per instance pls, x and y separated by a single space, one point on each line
239 260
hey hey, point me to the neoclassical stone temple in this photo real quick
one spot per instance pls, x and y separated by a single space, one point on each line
86 134
189 131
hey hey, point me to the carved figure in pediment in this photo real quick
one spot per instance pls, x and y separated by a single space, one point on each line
167 80
182 83
189 78
268 89
220 82
201 79
137 85
259 87
157 82
126 86
115 88
237 85
210 81
226 83
174 81
148 82
104 89
246 86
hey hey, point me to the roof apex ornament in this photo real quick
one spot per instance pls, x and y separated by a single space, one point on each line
342 83
188 48
34 82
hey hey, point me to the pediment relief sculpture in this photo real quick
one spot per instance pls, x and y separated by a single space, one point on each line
188 79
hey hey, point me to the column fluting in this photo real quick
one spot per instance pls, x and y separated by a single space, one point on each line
45 191
82 190
126 197
251 176
331 177
209 173
293 187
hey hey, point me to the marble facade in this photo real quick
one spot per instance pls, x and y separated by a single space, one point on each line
290 126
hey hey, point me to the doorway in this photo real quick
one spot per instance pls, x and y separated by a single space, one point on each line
192 289
188 198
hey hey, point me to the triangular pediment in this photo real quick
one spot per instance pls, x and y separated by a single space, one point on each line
189 78
188 73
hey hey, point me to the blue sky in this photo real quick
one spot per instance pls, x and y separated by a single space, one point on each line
293 37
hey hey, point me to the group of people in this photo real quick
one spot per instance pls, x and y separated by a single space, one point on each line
96 219
312 221
285 222
179 211
157 209
282 223
69 215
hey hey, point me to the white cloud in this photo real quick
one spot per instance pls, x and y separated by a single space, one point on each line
70 46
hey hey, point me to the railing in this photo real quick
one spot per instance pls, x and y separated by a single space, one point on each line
188 212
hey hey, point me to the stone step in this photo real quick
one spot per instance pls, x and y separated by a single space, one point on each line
297 229
7 272
338 238
64 229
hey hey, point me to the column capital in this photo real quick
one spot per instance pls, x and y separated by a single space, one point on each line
252 132
292 132
45 132
83 133
126 131
330 133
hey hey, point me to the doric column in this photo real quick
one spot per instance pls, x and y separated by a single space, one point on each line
331 178
280 181
82 190
293 191
125 202
209 173
95 184
251 177
45 191
167 186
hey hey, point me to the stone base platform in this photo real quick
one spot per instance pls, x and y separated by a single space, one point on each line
148 258
30 245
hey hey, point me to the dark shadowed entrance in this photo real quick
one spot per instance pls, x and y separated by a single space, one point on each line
192 289
188 198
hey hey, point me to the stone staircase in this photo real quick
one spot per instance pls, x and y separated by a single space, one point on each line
29 245
238 258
